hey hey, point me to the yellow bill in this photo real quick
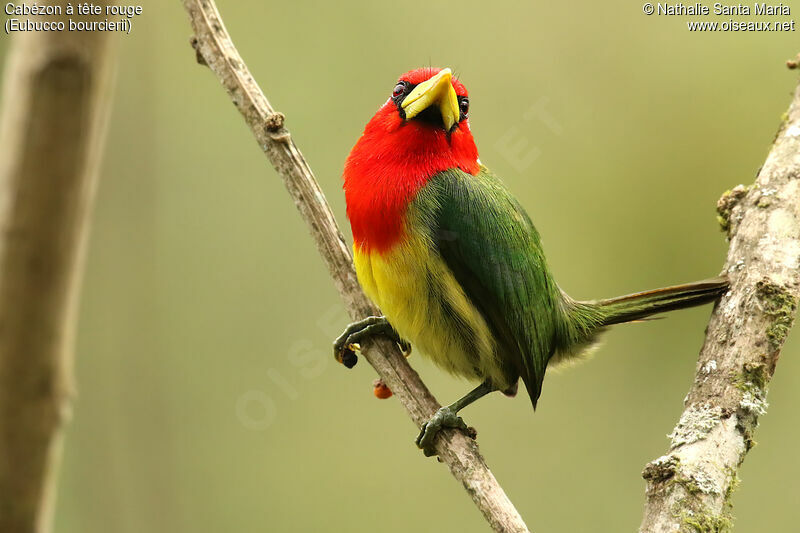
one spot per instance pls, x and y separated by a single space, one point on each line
436 91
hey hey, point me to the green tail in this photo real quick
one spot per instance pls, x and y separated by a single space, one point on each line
584 320
644 304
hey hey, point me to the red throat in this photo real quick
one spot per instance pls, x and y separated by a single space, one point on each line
393 160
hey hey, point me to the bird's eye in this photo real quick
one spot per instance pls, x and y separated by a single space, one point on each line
398 89
463 105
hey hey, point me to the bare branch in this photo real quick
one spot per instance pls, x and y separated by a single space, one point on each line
215 48
55 104
689 489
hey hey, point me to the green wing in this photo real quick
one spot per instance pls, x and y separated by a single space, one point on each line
488 241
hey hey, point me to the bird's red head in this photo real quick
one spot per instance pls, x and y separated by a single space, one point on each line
422 129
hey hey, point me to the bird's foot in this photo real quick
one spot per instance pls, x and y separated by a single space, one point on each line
345 346
445 417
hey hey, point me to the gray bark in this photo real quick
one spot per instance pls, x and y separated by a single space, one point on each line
55 101
689 489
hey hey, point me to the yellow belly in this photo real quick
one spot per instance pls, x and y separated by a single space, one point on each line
422 300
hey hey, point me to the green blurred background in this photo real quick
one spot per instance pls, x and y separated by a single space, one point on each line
208 399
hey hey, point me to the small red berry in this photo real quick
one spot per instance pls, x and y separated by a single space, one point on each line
380 390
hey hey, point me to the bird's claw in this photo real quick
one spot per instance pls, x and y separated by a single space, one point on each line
404 345
444 417
345 346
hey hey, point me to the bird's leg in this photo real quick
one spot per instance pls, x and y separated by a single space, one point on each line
447 417
343 346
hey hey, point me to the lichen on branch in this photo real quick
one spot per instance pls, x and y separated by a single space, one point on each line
689 489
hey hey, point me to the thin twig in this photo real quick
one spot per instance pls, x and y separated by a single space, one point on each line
689 489
215 48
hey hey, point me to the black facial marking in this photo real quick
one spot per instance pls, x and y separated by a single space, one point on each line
399 94
432 116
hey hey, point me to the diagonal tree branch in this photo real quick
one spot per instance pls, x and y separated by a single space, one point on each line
215 48
689 489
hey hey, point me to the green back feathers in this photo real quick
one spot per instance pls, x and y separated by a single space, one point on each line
493 250
489 243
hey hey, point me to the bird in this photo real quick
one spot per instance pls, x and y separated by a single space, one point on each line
454 262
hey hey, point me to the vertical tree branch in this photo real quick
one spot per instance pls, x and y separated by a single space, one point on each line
689 489
215 48
55 103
